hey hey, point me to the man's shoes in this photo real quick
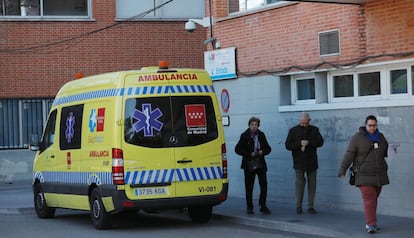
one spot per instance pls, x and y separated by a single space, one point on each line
299 210
250 211
265 210
372 229
312 211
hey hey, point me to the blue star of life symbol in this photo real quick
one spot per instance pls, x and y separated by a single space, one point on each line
70 131
147 120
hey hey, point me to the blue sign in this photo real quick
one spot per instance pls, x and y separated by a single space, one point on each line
221 64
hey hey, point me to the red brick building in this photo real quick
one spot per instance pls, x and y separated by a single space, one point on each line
43 45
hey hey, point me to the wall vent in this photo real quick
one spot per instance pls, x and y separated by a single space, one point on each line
329 43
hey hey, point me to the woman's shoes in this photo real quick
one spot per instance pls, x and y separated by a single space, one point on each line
265 210
372 229
250 211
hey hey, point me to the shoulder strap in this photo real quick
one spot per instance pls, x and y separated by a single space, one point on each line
363 160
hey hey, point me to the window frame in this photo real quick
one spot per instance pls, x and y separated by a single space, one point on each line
353 85
385 82
409 84
41 15
356 81
294 91
384 99
259 8
381 85
163 14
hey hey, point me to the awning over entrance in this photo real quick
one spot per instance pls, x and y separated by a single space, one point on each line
336 1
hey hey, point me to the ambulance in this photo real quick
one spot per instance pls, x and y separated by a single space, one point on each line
148 139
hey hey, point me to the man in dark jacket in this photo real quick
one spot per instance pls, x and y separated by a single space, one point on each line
253 146
303 140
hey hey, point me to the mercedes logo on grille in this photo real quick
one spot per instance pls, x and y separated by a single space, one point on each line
173 140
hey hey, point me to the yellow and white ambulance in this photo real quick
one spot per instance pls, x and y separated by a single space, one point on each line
145 139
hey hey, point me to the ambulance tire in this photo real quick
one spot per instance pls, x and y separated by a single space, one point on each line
41 208
200 214
100 218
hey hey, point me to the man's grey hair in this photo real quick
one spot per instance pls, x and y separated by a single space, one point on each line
304 115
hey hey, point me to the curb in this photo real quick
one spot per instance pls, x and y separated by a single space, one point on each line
281 226
16 211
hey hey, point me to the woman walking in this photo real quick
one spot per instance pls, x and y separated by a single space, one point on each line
366 154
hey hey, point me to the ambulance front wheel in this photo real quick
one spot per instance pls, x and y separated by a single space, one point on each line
41 208
100 218
200 214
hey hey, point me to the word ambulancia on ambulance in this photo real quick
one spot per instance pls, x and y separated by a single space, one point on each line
132 140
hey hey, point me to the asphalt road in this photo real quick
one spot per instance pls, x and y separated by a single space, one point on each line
68 224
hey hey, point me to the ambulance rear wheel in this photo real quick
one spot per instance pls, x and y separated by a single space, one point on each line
200 214
41 208
100 218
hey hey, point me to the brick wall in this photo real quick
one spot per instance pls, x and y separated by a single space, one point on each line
40 72
277 38
287 36
390 26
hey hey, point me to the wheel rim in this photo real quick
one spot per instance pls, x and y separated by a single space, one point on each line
96 209
40 200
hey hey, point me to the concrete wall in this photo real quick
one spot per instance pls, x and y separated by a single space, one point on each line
16 165
258 96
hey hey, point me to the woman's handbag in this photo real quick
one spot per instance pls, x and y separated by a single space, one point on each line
351 177
255 164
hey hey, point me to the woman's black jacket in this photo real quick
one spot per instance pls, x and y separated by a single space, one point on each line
245 147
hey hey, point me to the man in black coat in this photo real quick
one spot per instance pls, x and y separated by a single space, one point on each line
303 140
253 146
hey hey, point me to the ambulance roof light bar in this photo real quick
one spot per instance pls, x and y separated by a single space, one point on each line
163 64
164 67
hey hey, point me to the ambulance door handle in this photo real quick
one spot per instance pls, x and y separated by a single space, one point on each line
52 156
183 161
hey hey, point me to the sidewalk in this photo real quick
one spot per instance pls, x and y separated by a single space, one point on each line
12 204
328 222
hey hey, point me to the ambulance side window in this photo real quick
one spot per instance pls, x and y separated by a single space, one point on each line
49 134
71 127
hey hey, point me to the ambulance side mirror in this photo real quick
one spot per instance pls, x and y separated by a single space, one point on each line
34 142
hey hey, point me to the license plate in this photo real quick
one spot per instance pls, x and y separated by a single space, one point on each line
151 191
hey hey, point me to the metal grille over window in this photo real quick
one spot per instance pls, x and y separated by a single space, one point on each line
21 118
329 43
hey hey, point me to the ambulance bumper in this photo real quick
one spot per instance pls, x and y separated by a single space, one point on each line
122 203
